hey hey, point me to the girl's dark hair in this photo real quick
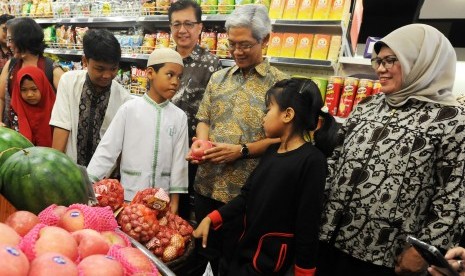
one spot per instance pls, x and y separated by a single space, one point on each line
25 77
304 97
27 35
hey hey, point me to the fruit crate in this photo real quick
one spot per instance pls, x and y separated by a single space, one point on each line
6 208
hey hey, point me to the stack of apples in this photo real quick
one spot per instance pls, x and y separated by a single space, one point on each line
148 220
31 246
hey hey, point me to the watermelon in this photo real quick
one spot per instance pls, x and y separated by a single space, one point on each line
10 142
34 178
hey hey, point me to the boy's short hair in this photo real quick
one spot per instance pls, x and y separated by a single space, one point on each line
185 4
164 55
101 45
5 17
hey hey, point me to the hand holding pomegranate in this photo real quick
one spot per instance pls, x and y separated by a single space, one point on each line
202 231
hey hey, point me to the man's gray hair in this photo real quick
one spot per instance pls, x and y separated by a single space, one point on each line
254 17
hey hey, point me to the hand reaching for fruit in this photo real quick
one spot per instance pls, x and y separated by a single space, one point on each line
198 150
202 231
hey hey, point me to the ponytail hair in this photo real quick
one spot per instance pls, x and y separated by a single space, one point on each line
304 97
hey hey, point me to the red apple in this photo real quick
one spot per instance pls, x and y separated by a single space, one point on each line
199 147
22 221
58 240
52 263
90 242
13 262
113 238
72 220
8 235
97 265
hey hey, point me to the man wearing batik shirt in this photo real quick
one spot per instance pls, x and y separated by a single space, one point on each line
5 52
199 64
87 100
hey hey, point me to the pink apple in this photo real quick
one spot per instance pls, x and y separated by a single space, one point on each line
72 220
113 238
90 242
199 147
137 259
58 240
22 221
8 235
52 263
97 265
13 261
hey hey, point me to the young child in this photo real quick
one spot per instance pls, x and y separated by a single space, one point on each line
281 201
150 133
32 102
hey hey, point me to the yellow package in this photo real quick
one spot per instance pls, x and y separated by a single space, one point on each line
334 47
163 40
275 44
289 44
208 41
149 43
276 9
225 6
339 9
304 46
222 45
209 6
306 9
322 9
291 9
266 3
162 6
320 46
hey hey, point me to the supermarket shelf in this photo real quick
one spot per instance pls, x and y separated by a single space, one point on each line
302 62
349 66
75 52
355 60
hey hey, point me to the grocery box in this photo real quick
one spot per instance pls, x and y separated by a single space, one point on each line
334 48
306 9
322 9
304 46
320 46
289 44
290 9
276 9
275 44
339 9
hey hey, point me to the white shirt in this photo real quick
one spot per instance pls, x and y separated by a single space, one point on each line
65 113
153 142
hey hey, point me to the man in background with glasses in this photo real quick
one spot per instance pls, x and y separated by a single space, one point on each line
5 52
199 64
231 115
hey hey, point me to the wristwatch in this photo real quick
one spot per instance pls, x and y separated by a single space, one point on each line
244 151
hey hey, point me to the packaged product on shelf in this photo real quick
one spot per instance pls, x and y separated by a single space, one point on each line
304 46
162 6
148 8
209 6
208 41
222 45
334 47
61 37
339 9
5 9
275 44
163 40
322 9
225 6
333 93
276 9
376 87
149 43
291 9
66 65
320 46
71 39
50 35
289 44
82 9
348 96
322 84
26 8
80 32
266 3
306 9
61 9
365 86
106 8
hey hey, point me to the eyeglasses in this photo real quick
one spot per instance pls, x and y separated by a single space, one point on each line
188 25
242 46
387 62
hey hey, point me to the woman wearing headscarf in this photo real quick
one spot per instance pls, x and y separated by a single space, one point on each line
399 167
32 102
